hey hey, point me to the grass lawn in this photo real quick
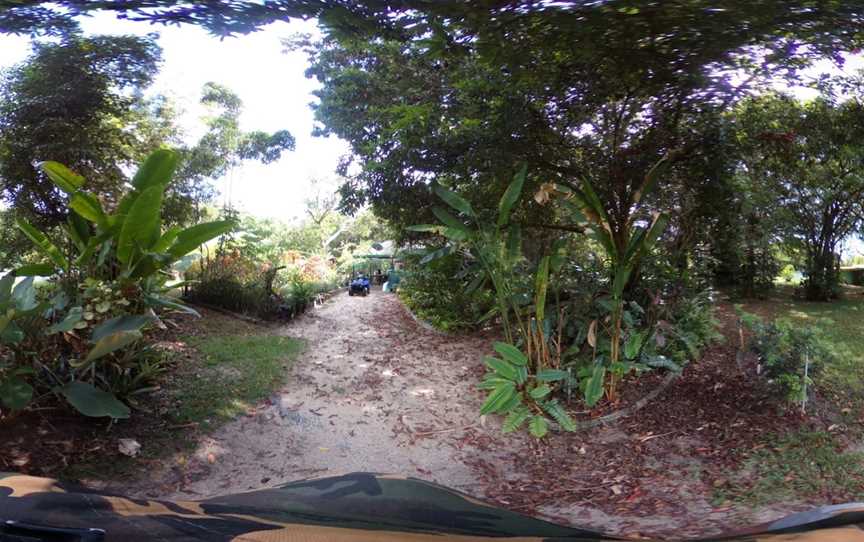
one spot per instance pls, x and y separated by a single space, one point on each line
235 373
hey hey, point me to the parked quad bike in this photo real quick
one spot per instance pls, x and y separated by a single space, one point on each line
359 286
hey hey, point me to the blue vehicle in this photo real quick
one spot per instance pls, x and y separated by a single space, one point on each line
359 286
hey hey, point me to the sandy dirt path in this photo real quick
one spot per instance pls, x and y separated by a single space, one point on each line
373 391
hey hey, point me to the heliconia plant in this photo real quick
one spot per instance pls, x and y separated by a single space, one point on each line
625 243
127 247
521 384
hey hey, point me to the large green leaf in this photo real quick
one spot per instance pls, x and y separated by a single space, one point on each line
497 398
455 234
538 426
35 270
142 226
88 206
554 409
633 345
516 419
511 353
192 238
93 402
551 375
24 295
501 367
120 323
64 178
44 244
540 391
454 200
74 316
6 284
15 393
448 219
436 254
79 230
166 240
112 343
595 388
157 170
511 196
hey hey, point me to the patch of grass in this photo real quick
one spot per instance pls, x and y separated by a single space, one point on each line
799 465
235 373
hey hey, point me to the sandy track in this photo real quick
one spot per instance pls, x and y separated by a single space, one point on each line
373 391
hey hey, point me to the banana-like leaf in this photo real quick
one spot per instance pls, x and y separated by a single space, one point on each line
454 200
157 170
633 345
540 391
167 239
551 375
541 287
64 178
448 219
43 244
87 206
192 238
511 196
142 227
455 234
619 282
93 402
79 231
554 409
165 302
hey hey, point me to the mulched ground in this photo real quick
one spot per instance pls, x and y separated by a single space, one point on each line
666 459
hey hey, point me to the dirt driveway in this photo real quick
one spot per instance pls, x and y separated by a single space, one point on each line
373 391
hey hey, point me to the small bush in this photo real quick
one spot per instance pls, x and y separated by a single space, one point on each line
435 294
784 350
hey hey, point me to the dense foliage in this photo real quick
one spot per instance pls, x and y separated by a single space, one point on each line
80 335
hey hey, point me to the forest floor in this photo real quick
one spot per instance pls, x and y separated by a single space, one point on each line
375 391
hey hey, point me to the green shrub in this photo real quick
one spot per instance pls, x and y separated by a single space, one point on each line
784 349
436 294
82 336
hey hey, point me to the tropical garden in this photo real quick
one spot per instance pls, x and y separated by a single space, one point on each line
649 212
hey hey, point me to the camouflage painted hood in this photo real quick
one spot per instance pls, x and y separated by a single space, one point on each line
357 507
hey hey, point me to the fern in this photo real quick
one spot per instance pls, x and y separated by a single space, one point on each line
554 409
516 419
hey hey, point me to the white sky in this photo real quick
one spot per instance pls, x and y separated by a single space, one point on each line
275 94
